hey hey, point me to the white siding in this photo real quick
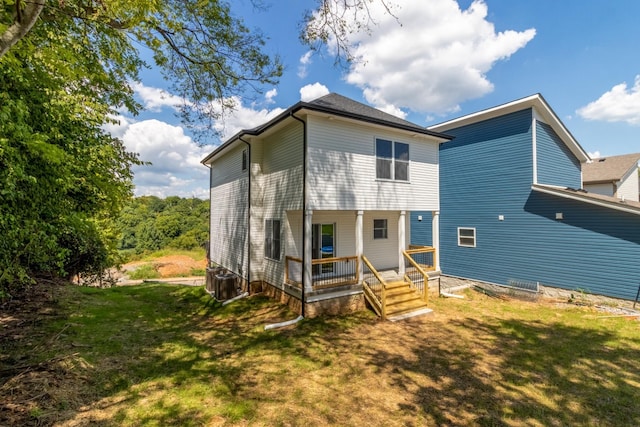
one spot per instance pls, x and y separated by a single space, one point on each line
229 213
628 187
281 190
342 169
603 189
383 253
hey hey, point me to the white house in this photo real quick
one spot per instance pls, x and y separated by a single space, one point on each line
615 176
331 180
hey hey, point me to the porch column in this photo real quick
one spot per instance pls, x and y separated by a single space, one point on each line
401 242
307 280
359 244
435 238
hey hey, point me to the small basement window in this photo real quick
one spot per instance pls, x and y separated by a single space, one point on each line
467 237
380 229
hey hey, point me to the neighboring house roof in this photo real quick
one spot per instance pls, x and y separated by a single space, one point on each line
609 169
334 104
587 197
534 101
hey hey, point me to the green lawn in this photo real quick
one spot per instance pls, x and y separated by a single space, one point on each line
161 355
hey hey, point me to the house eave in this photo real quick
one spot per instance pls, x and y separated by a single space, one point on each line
586 198
310 108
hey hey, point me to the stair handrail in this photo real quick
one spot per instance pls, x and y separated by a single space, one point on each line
425 290
383 296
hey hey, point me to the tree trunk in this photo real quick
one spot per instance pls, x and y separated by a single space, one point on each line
25 19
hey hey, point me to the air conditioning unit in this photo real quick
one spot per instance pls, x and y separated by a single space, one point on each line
211 278
226 286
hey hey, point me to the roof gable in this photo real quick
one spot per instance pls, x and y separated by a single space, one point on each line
540 107
340 106
609 169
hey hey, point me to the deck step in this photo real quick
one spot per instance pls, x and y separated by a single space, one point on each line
404 302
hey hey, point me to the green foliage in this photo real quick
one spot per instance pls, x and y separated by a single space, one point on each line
62 177
149 223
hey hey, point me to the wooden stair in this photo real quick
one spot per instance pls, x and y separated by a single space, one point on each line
403 302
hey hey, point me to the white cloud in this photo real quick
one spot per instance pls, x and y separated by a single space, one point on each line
594 155
270 95
432 57
120 126
620 104
242 117
305 60
313 91
154 99
175 158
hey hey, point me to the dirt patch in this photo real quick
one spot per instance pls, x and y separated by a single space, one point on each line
170 265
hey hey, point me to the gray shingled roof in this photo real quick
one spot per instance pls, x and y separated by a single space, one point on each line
609 169
338 102
338 105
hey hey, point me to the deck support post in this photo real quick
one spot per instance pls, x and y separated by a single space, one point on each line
359 245
307 279
435 236
401 242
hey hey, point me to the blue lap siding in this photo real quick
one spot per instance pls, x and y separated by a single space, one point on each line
556 164
486 174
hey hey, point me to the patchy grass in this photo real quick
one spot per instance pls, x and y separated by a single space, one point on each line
144 271
170 355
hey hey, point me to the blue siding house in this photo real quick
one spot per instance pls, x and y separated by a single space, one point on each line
512 209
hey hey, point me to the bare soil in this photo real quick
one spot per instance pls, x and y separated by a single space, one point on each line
170 265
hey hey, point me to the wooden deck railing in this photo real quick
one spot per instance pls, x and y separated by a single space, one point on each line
415 274
374 288
423 255
326 272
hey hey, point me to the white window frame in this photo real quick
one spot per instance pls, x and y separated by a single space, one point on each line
394 160
272 240
461 237
384 229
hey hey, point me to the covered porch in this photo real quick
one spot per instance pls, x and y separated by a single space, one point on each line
354 252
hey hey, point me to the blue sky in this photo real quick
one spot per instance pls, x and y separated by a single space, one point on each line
442 60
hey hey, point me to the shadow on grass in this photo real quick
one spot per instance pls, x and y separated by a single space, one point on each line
511 371
167 355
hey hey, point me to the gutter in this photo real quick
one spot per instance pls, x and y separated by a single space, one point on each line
248 213
304 204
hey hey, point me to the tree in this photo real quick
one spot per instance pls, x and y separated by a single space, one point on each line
66 67
209 55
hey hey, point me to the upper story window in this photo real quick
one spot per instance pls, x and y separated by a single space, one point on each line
467 237
392 160
245 159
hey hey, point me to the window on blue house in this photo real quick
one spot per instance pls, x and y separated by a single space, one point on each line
272 239
392 160
467 237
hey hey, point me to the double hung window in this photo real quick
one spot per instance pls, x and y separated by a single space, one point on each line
380 229
392 160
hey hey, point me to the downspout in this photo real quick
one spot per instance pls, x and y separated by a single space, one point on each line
304 203
248 213
209 221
